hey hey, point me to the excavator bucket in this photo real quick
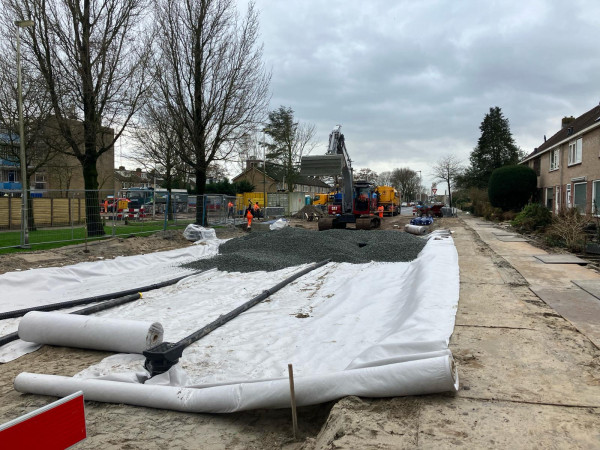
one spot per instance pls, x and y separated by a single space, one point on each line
326 165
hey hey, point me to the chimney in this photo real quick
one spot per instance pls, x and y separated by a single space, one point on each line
566 121
138 172
544 138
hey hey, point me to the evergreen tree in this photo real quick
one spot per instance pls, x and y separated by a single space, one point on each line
288 141
495 148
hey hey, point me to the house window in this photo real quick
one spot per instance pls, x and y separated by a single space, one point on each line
557 199
12 176
568 195
40 180
549 198
554 158
580 196
575 150
596 198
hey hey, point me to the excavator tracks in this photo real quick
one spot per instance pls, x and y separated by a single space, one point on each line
368 223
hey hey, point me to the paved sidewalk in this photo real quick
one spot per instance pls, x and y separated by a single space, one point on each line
552 283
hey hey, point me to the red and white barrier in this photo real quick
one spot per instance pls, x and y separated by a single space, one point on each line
58 425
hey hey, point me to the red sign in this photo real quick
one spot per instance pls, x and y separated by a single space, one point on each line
56 426
434 191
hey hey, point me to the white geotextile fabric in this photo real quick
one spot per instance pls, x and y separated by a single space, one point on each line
377 329
36 287
91 332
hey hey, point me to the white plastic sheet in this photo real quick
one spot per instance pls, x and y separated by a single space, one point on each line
278 224
378 329
97 333
423 376
195 232
43 286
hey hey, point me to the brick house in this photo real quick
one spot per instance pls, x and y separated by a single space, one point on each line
568 165
58 175
274 180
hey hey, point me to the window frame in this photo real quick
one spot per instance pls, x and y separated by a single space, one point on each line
549 196
595 211
568 198
574 198
575 152
554 159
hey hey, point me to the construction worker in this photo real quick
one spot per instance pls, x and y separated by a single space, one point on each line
229 209
380 209
256 209
249 216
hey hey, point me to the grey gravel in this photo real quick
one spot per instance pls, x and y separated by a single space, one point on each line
293 246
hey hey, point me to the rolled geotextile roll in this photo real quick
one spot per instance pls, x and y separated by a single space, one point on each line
426 376
97 333
415 229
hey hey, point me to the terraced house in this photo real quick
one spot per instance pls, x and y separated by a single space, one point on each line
568 165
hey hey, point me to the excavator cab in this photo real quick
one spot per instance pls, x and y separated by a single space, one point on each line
363 198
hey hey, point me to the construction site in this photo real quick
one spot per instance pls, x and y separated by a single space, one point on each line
466 335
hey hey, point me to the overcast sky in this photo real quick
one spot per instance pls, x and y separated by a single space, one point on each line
411 81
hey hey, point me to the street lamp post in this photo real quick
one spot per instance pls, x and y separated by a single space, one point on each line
420 190
25 210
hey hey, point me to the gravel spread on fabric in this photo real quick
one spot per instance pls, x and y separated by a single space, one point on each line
276 250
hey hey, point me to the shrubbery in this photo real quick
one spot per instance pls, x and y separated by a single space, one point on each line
511 187
568 229
534 217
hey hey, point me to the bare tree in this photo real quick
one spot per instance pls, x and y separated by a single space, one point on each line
407 181
384 178
366 174
158 143
211 78
93 61
447 169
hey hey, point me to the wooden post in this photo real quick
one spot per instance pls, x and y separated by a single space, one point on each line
293 400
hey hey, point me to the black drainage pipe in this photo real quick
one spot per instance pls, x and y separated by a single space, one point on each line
85 311
162 357
124 298
95 299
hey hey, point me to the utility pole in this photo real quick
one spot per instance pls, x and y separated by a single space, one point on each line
24 205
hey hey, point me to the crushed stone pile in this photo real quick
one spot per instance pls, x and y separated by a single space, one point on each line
293 246
308 209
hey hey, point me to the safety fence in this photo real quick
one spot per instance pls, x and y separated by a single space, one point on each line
81 216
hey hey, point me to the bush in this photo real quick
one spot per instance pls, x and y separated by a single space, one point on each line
511 187
534 217
569 227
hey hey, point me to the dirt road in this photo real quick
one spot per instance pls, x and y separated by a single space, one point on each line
529 378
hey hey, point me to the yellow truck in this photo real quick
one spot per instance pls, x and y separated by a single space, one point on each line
389 197
320 199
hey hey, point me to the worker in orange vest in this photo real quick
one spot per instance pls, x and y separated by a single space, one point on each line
249 216
380 209
229 209
256 210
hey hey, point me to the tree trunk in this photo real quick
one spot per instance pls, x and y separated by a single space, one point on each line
200 187
92 203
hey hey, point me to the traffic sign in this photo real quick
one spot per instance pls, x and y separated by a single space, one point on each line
434 191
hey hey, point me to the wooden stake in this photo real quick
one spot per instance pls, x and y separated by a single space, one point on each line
293 399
